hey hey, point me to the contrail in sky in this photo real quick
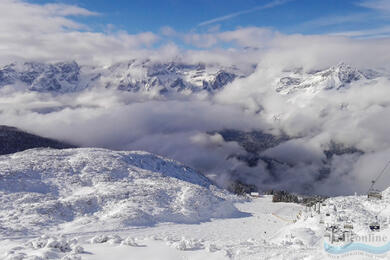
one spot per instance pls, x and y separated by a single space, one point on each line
232 15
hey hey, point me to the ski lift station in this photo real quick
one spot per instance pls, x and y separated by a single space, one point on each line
341 224
255 194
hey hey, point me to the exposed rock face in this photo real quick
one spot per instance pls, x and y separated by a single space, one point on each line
222 78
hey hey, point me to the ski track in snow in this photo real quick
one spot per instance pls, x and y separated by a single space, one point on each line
259 235
219 239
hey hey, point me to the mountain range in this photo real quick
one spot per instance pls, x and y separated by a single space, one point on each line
167 78
133 76
336 77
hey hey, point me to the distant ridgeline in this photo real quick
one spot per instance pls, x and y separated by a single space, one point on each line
14 140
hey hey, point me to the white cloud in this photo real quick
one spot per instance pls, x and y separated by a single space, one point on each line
331 20
67 10
380 5
47 32
168 31
32 31
254 37
370 33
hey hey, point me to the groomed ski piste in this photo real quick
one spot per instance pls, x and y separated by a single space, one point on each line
102 204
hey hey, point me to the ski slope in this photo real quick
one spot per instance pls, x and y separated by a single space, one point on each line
267 231
245 237
101 204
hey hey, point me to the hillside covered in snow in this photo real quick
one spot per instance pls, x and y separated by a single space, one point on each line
92 189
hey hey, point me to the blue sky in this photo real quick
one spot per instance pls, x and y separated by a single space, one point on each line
294 16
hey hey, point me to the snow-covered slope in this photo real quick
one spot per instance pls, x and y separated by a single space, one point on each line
90 188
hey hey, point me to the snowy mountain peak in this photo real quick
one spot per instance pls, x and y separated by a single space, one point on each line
335 77
342 74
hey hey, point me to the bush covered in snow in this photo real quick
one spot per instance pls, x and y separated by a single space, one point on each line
46 247
130 241
112 239
187 244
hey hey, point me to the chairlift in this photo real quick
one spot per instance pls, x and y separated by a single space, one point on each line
334 227
375 226
348 226
374 193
